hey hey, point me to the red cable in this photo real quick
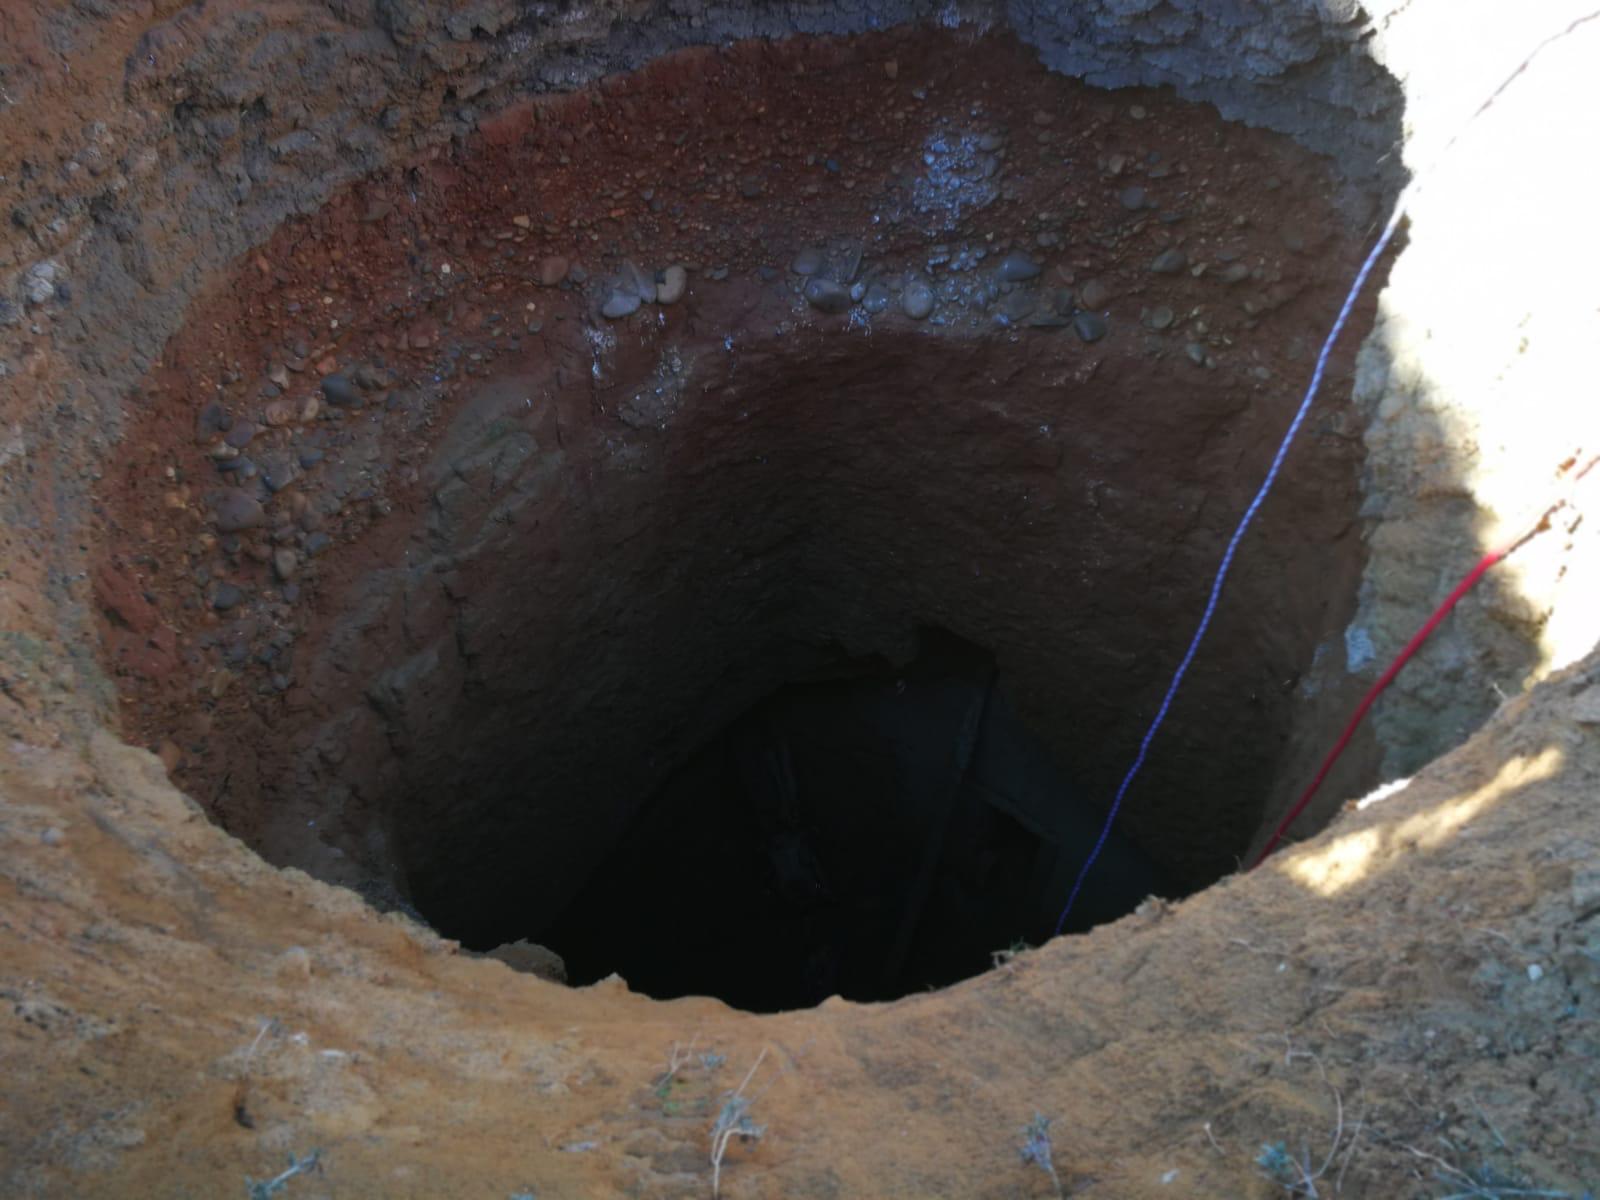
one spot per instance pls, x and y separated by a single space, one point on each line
1411 647
1376 690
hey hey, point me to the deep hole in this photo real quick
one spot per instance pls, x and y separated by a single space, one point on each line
877 832
742 645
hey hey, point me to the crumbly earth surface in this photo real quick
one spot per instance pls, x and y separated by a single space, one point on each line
949 341
1407 998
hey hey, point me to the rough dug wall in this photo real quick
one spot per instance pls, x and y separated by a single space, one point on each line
469 623
148 144
1435 952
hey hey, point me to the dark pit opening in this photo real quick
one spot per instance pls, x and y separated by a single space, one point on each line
733 528
828 690
869 834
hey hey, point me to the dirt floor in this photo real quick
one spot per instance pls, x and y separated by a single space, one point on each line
1334 1017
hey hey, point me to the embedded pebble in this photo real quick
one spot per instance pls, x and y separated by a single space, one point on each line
1017 267
1018 305
1169 262
39 281
827 296
674 282
807 262
916 301
211 420
341 391
552 270
236 511
876 298
1160 317
52 836
1133 198
1091 327
239 436
1196 353
622 302
316 543
285 562
278 473
226 596
1237 273
1094 294
280 413
641 282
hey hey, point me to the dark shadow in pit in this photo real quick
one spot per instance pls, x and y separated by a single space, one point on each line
869 834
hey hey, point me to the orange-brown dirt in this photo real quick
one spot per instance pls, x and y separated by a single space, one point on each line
1032 484
1179 1040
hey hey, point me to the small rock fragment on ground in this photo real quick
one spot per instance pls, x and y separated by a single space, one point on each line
621 302
236 511
1091 327
553 269
341 391
1017 267
916 301
674 282
1169 261
827 296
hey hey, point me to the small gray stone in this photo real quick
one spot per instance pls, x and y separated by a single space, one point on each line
277 472
285 562
552 270
240 435
226 596
39 283
316 543
1237 273
807 262
674 282
371 377
1169 262
916 301
1133 198
237 511
641 282
1196 353
876 298
1094 294
209 422
340 390
1018 304
827 296
1160 317
1017 267
622 302
1091 327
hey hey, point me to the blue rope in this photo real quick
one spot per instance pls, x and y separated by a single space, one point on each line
1233 543
1288 439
